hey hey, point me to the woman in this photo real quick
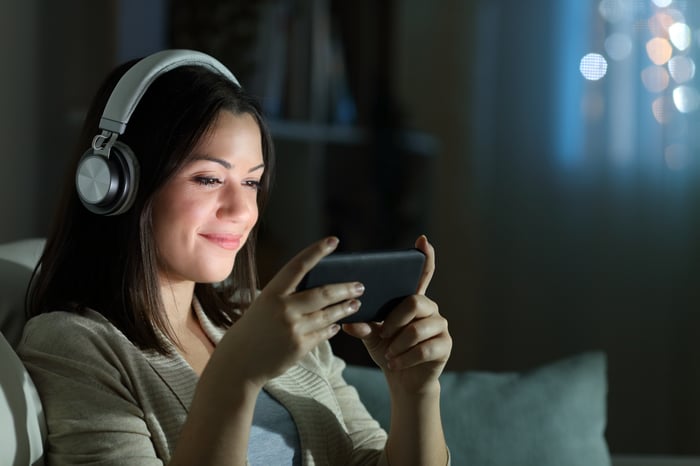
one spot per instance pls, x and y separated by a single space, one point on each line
142 357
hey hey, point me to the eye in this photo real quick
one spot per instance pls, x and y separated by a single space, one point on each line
207 180
253 184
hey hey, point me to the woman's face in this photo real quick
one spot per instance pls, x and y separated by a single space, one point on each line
204 214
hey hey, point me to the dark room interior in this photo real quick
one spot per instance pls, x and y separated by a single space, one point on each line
548 149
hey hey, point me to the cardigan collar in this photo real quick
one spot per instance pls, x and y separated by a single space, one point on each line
173 369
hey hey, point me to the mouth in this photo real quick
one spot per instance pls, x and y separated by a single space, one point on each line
224 241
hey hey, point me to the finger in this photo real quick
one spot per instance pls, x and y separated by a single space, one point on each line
368 332
315 321
322 334
358 329
326 295
435 350
412 307
415 333
289 276
429 267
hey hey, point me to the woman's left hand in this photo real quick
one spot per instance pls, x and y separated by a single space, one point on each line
413 344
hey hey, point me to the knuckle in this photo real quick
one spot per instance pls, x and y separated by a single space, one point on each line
285 315
425 352
414 332
321 318
300 266
413 300
296 338
327 293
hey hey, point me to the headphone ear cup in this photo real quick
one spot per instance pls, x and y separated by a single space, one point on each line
107 185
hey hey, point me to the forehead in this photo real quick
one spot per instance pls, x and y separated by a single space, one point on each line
230 132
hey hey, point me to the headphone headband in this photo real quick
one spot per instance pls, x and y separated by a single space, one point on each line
131 87
107 174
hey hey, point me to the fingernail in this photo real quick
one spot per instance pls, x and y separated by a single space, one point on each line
354 305
359 288
332 242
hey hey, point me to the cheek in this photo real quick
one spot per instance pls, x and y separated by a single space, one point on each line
255 214
176 218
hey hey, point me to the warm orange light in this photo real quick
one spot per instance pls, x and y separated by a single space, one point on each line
662 108
659 24
659 50
655 78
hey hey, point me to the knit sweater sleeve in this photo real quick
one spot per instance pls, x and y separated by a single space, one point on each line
92 416
368 438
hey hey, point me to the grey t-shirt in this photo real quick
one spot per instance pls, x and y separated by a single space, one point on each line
273 436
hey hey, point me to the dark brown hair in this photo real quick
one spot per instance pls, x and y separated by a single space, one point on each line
109 263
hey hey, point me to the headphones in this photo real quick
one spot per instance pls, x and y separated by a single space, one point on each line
107 177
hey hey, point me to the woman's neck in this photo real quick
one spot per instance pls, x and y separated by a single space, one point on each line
177 300
192 342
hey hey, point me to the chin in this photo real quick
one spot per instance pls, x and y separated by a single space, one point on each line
216 275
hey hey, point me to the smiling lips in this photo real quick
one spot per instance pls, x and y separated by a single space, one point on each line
225 241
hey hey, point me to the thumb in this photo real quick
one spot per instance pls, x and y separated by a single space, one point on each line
369 333
359 330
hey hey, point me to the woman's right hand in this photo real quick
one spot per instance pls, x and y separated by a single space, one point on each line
281 326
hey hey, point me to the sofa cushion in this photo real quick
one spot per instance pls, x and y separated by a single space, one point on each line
25 252
22 425
13 284
549 416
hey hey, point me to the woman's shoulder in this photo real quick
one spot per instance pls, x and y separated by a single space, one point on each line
69 331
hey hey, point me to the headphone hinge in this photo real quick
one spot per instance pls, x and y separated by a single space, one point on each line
103 142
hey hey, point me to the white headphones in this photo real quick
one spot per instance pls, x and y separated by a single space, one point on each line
107 177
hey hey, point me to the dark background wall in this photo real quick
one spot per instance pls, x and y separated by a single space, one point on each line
468 127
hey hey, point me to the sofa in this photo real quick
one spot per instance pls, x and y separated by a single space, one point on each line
554 414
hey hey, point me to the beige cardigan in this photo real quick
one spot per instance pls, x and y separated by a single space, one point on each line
109 403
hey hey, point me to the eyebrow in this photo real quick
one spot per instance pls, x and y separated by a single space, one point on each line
257 167
226 164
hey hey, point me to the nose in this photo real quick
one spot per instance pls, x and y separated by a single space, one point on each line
237 203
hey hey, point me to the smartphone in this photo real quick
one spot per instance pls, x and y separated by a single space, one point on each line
388 276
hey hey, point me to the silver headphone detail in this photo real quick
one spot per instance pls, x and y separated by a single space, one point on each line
107 176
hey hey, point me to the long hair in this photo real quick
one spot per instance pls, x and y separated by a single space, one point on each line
109 263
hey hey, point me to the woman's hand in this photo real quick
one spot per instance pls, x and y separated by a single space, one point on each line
413 344
282 326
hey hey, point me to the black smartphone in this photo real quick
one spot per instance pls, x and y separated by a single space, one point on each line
388 276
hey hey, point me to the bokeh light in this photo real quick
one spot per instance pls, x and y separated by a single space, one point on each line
655 78
618 46
676 156
659 50
686 99
662 109
659 23
614 11
671 45
680 35
662 3
682 68
593 66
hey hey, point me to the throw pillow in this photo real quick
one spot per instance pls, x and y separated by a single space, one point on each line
553 415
